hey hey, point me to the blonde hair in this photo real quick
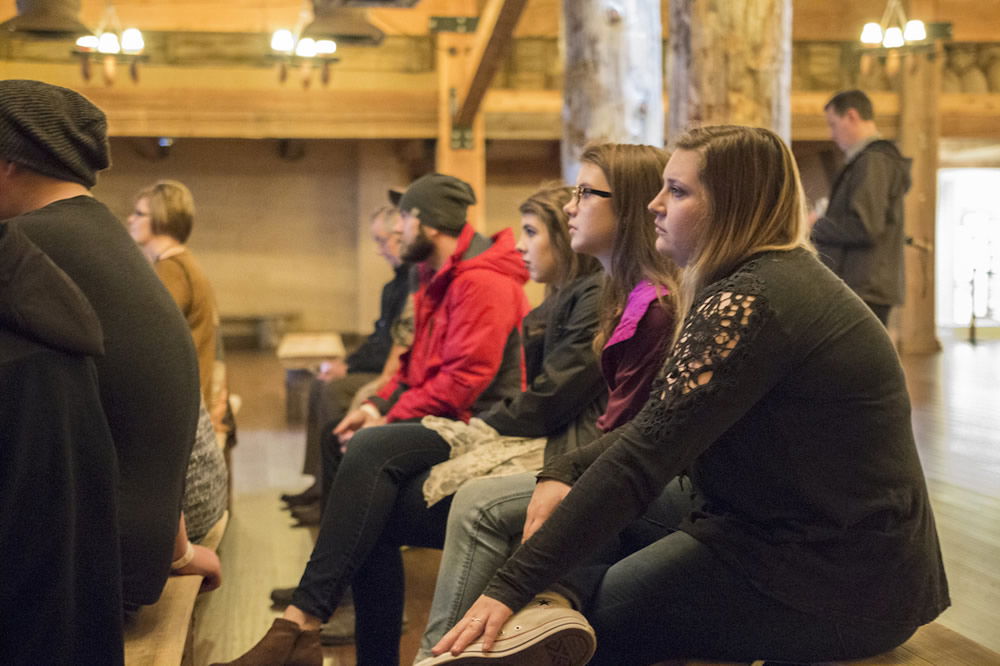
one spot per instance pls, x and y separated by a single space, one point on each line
634 174
171 209
754 201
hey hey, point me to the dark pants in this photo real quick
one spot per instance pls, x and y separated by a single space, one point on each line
328 403
668 596
379 589
375 504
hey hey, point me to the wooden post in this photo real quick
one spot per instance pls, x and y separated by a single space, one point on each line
730 62
461 151
919 137
613 54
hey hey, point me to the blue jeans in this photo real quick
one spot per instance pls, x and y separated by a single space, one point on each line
375 504
661 594
484 528
674 599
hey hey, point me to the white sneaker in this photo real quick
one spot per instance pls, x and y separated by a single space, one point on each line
546 632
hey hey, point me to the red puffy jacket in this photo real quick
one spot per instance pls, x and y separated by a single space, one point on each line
466 351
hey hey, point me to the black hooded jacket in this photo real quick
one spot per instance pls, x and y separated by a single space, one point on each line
860 238
148 377
60 600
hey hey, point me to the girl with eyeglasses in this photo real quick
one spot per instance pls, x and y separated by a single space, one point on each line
784 400
608 220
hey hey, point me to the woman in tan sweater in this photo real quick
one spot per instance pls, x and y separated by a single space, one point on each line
161 223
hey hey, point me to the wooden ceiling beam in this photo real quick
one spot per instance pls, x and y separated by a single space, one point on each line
812 20
494 35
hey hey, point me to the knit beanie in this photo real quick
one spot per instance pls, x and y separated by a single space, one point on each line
440 201
54 131
395 196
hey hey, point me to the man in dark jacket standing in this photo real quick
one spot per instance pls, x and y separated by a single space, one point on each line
53 141
860 235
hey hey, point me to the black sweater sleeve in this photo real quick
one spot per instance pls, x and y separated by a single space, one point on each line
570 378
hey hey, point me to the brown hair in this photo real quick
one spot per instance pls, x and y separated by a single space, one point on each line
171 209
547 205
635 175
754 199
851 99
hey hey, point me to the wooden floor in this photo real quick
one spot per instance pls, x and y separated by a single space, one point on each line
956 416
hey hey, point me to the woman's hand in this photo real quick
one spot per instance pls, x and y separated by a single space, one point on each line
548 493
205 563
483 620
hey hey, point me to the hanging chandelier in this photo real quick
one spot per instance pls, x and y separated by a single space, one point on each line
110 45
294 47
896 31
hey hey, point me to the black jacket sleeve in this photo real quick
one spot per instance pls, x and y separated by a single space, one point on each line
570 378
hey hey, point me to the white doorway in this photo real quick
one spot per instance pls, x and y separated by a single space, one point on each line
968 250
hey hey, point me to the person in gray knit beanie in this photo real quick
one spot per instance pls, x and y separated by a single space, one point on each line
52 130
440 201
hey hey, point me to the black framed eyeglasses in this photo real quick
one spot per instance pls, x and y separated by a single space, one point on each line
582 190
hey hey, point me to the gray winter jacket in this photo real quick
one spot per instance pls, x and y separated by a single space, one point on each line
860 238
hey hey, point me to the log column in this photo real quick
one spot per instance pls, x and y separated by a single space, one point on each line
613 55
919 138
730 62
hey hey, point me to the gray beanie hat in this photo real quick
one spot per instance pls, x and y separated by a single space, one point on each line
440 201
55 131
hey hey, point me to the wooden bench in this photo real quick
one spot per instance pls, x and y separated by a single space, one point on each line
932 645
162 634
263 330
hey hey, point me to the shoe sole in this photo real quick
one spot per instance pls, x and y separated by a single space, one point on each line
558 644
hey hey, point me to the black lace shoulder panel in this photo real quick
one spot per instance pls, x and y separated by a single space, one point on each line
711 348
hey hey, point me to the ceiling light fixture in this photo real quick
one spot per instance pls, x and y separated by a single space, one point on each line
292 47
111 45
889 32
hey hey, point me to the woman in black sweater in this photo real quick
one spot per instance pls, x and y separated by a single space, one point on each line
785 403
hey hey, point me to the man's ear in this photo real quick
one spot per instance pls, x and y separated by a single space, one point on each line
430 231
852 114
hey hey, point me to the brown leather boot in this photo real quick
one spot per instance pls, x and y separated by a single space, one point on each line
308 650
284 644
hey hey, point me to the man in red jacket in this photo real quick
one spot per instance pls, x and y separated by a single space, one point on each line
466 353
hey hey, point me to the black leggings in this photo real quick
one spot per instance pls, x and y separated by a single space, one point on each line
375 504
664 595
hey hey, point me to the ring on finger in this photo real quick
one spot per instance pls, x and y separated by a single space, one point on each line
475 619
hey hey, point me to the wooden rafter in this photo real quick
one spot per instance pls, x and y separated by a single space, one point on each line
494 35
